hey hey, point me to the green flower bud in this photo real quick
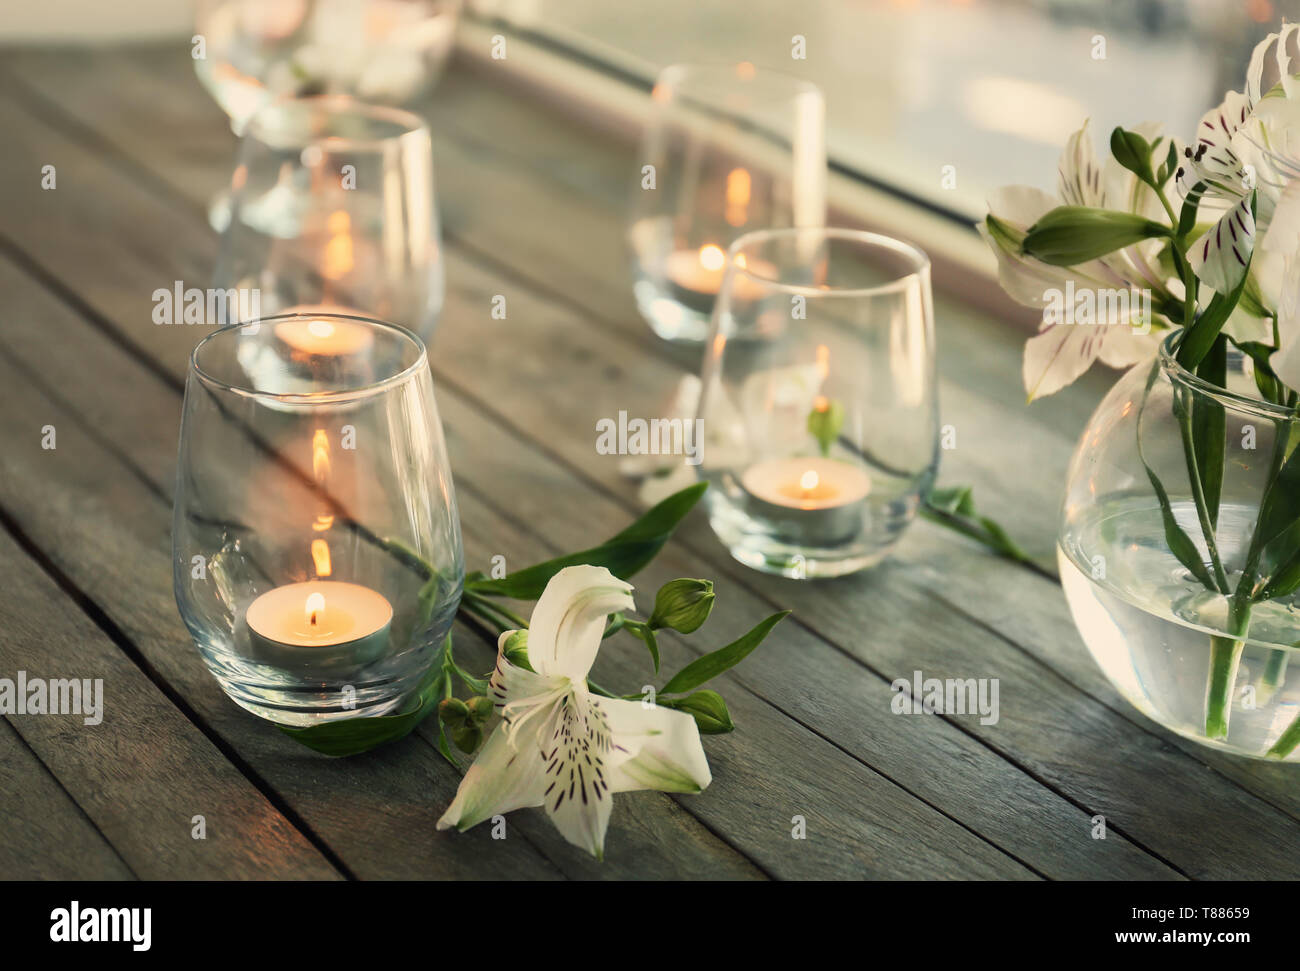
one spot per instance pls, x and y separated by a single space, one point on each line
682 605
516 650
467 738
709 711
824 422
480 709
453 712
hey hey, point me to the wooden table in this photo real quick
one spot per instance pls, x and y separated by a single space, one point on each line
532 205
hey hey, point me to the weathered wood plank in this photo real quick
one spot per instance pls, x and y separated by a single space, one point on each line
45 835
118 773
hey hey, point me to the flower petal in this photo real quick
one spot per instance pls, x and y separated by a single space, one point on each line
502 778
576 753
653 748
569 619
1057 356
1275 60
1079 176
1221 256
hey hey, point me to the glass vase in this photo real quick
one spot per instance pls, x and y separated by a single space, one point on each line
317 547
818 406
1177 551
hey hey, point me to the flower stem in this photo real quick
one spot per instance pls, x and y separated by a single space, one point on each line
1225 659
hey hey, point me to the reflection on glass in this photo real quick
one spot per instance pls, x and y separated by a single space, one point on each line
727 150
333 209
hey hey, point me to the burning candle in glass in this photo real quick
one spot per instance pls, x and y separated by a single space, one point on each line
810 498
695 276
319 624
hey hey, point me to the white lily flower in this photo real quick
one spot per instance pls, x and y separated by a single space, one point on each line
558 745
1061 352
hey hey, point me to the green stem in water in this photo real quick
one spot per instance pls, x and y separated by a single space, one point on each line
1225 659
1274 674
1198 496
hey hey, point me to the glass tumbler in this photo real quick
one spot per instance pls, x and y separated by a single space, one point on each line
317 550
819 409
727 150
383 51
333 209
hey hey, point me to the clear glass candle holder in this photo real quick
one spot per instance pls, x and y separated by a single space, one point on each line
249 52
317 546
819 407
727 150
332 209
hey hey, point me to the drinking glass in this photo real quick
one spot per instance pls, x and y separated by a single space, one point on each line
727 150
333 208
383 51
818 406
317 550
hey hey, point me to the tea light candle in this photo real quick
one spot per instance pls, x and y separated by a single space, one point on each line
319 624
317 336
697 275
811 498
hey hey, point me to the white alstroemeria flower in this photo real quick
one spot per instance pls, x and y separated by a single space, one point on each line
1249 143
558 745
1061 352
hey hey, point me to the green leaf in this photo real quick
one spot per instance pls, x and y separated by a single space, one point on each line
647 634
954 508
1266 379
1069 235
707 708
1179 543
711 665
1198 340
623 555
1209 427
352 736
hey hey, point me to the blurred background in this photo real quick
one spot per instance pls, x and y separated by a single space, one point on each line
911 85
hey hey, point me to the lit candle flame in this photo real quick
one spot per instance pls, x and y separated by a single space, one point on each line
712 257
315 606
820 403
808 481
823 360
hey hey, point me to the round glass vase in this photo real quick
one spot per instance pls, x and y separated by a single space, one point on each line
317 550
818 402
1177 556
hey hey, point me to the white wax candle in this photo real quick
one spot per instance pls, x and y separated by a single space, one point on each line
806 482
323 620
